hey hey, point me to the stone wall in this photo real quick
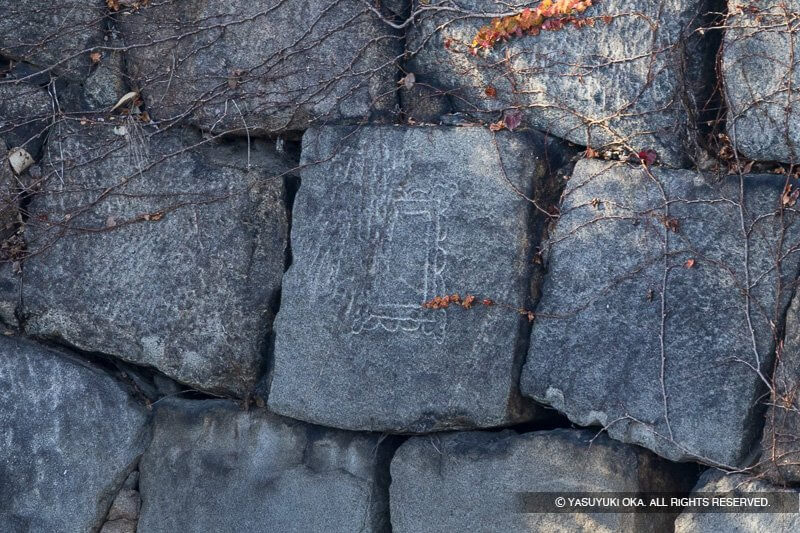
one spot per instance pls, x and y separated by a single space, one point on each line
338 266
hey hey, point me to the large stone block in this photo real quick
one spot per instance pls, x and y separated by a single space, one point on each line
213 467
159 250
57 36
70 436
9 295
388 218
659 309
107 83
262 66
760 76
9 201
10 239
26 111
472 481
780 459
626 81
742 486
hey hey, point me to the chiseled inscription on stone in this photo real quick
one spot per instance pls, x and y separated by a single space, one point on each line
399 228
415 231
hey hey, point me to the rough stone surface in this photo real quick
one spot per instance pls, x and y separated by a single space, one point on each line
105 85
9 200
25 114
119 526
132 482
263 66
165 255
9 297
645 325
740 485
150 242
53 35
213 467
70 436
388 218
616 82
424 103
760 76
780 459
123 515
125 506
10 288
11 241
469 481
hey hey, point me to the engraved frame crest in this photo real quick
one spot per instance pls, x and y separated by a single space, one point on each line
408 315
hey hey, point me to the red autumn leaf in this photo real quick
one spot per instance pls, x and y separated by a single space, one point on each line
497 126
491 92
553 24
689 263
513 119
789 196
648 157
548 15
468 301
